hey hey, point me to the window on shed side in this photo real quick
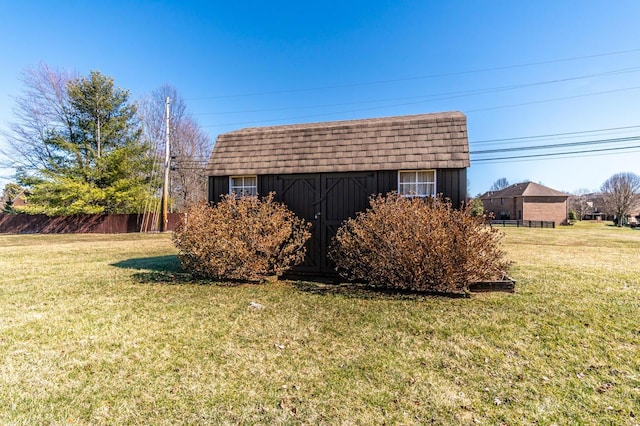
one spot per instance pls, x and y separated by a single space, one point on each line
417 183
243 185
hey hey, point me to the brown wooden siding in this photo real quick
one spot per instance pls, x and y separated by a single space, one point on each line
452 184
387 181
267 184
326 200
218 185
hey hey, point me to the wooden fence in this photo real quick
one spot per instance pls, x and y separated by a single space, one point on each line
82 223
524 223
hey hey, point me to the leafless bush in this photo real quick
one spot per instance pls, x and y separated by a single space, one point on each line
418 244
243 238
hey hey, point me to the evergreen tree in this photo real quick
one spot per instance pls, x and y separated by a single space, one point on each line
97 163
476 207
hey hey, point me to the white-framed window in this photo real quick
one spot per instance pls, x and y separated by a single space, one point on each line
417 183
243 185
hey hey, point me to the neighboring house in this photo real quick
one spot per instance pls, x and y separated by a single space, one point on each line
17 200
599 210
326 172
527 201
596 208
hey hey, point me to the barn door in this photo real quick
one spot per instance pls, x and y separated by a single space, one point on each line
343 195
325 200
301 194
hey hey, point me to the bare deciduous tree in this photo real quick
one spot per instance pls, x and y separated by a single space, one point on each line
190 146
621 194
579 203
501 183
41 111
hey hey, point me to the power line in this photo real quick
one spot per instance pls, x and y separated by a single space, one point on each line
568 155
555 146
554 154
550 135
555 99
430 76
195 164
185 162
538 157
436 96
187 157
182 159
254 122
533 157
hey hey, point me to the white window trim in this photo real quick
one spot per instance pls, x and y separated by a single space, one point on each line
435 183
240 190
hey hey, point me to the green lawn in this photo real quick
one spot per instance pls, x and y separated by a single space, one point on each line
99 329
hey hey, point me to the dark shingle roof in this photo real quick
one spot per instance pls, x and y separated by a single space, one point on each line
426 141
524 189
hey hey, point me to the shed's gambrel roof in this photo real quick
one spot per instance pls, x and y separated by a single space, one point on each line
425 141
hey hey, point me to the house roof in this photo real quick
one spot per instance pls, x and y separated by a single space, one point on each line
524 189
425 141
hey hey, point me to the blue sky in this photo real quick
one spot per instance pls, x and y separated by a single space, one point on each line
516 69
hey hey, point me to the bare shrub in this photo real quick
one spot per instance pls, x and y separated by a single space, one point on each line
243 238
418 244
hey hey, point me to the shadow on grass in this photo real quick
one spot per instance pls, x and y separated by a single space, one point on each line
157 269
364 291
168 263
166 270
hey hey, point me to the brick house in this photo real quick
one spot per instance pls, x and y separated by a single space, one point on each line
527 201
326 172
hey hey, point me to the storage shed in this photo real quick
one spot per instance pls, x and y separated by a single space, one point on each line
326 172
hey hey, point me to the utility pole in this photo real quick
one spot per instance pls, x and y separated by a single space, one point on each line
99 141
165 187
98 136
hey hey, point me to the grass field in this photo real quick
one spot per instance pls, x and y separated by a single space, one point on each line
99 329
